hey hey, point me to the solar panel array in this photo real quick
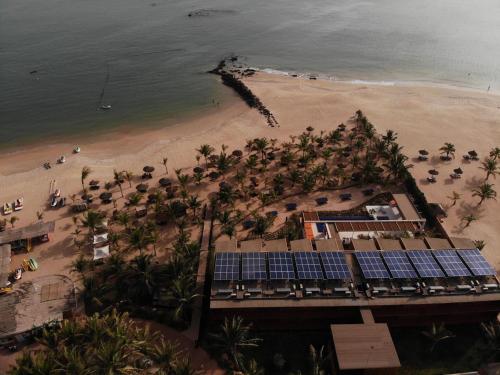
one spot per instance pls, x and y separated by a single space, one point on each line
425 263
451 263
308 265
399 265
281 266
335 265
476 262
371 265
227 266
253 266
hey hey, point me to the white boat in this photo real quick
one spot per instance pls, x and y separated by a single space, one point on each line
105 107
61 160
76 150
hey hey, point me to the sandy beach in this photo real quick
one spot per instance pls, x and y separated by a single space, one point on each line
423 117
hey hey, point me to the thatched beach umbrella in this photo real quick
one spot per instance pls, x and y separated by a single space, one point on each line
237 153
341 127
472 154
142 188
213 175
458 171
106 196
310 129
148 169
165 182
198 170
433 172
423 152
87 197
94 182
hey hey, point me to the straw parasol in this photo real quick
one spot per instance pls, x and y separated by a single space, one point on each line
87 197
423 152
165 182
142 188
458 171
341 127
106 196
213 175
237 153
472 153
310 129
198 170
148 169
94 182
433 172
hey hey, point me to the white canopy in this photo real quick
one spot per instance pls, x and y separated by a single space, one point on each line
101 252
100 238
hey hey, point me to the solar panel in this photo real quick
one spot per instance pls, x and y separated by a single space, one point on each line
308 265
451 263
371 265
476 262
399 265
425 263
253 266
227 267
281 266
335 265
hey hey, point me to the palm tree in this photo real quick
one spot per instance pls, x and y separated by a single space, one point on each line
389 137
183 367
484 192
261 145
491 331
164 161
495 153
454 197
13 220
490 166
193 204
164 354
229 230
206 150
134 199
234 337
80 264
448 149
181 295
469 219
86 171
262 224
437 334
253 368
123 219
223 163
118 178
129 176
139 238
318 360
92 220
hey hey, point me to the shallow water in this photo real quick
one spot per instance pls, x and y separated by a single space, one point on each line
148 58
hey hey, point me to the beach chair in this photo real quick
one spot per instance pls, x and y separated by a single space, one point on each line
18 204
7 208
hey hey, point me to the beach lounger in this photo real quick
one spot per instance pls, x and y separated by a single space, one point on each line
7 209
291 206
346 197
18 204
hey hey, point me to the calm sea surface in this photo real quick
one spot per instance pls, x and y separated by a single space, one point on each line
148 58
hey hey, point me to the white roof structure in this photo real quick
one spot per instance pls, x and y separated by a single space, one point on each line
100 238
101 252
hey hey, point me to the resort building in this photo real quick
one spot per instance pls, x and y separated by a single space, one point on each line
365 270
24 238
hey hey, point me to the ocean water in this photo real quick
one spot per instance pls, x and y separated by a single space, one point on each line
148 58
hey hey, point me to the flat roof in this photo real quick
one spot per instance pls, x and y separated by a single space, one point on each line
276 245
33 303
413 244
4 264
330 244
251 245
365 245
462 243
31 231
364 346
388 244
406 207
301 245
437 243
226 246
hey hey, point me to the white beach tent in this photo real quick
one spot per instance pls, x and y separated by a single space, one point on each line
101 252
100 238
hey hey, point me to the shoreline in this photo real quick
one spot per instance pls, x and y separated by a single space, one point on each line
228 97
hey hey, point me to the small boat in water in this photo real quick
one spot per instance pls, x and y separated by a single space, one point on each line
105 107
